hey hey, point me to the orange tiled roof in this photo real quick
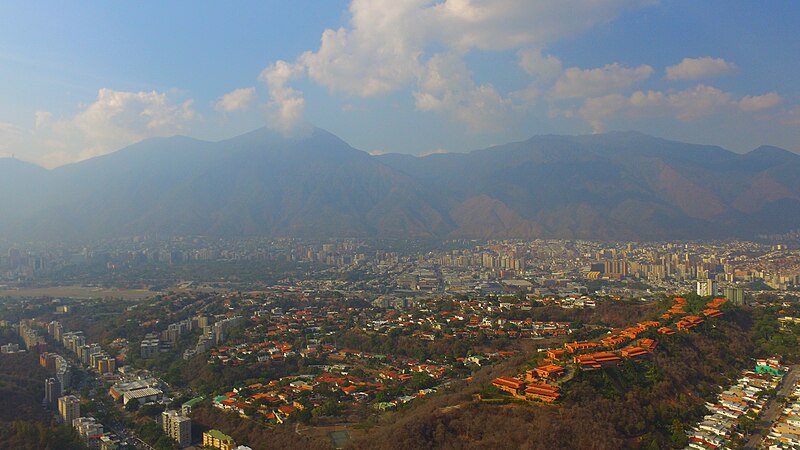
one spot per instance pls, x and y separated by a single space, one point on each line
508 382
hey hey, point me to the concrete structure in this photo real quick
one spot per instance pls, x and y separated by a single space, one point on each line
9 348
52 391
177 426
734 295
707 288
69 408
149 346
218 439
141 390
90 430
142 396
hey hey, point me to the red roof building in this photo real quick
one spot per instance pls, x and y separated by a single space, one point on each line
508 384
542 392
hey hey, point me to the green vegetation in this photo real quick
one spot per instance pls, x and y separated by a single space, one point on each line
21 434
151 433
23 421
639 404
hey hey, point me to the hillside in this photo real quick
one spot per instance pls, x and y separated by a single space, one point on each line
638 405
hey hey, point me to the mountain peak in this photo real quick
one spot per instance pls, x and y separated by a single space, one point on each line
772 153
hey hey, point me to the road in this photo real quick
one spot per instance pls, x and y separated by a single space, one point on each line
91 381
773 408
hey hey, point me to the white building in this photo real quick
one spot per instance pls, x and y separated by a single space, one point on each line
707 288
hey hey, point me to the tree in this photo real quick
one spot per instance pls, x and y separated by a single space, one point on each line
303 415
132 406
746 423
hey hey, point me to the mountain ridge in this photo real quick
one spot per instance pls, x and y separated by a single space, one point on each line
622 185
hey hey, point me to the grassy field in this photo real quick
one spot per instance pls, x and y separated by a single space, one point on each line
79 292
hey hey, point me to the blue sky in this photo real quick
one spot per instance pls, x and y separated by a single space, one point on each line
417 76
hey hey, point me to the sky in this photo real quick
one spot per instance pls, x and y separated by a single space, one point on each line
82 79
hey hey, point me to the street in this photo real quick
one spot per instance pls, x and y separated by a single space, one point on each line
772 409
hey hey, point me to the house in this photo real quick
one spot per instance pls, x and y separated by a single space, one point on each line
511 385
597 360
574 347
648 344
542 392
613 341
712 313
547 372
634 352
688 322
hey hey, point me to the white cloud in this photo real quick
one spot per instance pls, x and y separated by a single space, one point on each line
510 24
236 100
697 68
113 120
386 46
287 105
576 82
686 105
118 117
447 86
543 67
760 102
697 102
525 98
43 118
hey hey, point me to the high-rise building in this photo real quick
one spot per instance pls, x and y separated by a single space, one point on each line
69 408
177 426
707 288
52 391
149 346
734 295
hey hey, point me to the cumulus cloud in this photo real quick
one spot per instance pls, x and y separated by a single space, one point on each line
543 67
43 118
697 68
576 82
510 24
286 105
447 86
760 102
120 116
113 120
236 100
390 45
685 105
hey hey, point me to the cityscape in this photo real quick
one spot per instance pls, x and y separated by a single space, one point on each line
340 335
400 225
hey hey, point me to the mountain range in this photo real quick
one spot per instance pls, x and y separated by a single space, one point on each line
615 186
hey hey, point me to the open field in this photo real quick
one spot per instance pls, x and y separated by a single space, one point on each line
79 292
